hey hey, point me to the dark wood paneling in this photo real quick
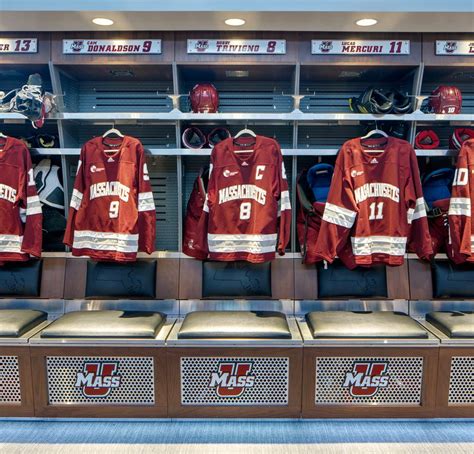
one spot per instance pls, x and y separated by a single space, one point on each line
425 410
190 279
283 279
306 281
292 410
443 409
167 279
398 286
413 59
421 284
40 384
26 408
429 50
75 280
52 277
41 57
166 56
183 57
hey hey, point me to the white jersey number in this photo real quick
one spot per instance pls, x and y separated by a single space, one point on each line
245 210
379 214
114 209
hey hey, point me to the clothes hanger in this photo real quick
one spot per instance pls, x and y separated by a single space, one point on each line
371 133
240 134
112 130
3 136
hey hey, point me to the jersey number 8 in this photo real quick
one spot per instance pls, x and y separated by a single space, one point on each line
245 210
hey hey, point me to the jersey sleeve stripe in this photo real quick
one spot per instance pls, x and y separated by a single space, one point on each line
285 201
338 215
76 199
146 201
410 213
420 209
460 206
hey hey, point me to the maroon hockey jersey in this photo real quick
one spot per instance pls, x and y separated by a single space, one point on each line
193 216
461 228
375 206
20 207
112 212
247 213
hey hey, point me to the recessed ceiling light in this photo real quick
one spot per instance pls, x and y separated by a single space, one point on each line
235 22
366 22
102 21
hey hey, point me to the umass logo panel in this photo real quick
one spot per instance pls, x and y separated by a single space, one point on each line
349 380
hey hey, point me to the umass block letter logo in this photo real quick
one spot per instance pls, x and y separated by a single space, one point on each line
98 378
366 378
232 378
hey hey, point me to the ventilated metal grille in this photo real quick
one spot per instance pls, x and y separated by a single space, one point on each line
136 384
461 385
405 377
10 391
270 385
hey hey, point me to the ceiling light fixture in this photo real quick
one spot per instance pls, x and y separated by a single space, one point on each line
235 22
366 22
102 21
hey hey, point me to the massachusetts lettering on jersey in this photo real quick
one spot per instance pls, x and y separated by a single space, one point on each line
7 193
377 190
242 191
110 188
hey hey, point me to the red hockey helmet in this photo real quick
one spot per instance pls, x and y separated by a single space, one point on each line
204 98
446 100
427 140
460 135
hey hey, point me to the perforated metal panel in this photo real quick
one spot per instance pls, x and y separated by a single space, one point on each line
70 380
461 384
339 382
203 382
10 391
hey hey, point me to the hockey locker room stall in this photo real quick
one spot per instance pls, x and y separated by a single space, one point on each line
172 336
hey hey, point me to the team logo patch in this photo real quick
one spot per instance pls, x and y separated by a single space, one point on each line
227 173
95 169
202 45
232 378
366 378
325 46
356 173
76 46
97 379
450 46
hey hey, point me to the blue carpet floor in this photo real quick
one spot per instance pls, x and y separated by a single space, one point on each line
234 432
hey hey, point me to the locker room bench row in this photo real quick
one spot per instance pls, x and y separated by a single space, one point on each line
236 364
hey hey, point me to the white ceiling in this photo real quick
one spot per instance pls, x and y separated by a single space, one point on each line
287 15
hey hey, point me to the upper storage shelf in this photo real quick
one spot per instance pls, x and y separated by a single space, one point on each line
327 89
116 88
242 88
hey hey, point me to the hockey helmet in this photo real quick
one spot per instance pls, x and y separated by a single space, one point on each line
204 98
446 100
